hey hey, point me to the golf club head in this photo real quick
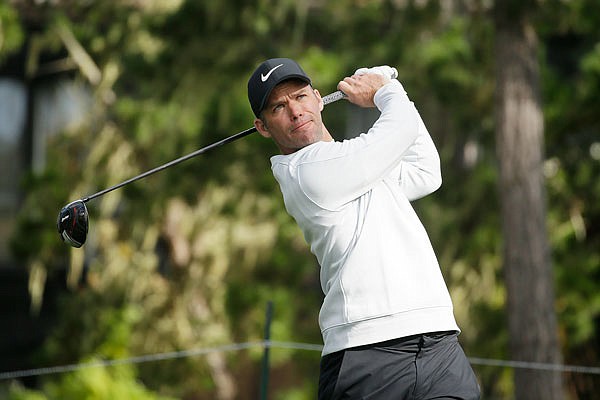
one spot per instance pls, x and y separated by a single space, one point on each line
73 223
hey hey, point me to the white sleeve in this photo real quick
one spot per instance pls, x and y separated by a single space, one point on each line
419 172
335 173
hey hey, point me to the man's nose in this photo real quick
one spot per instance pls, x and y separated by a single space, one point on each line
295 110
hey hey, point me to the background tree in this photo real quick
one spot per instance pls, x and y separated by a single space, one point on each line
520 147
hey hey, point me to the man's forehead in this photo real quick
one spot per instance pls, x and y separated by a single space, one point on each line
287 87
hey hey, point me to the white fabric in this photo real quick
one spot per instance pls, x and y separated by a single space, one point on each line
379 273
384 70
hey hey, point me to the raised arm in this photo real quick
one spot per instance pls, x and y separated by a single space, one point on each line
419 171
336 173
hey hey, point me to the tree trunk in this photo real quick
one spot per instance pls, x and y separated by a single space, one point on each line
526 261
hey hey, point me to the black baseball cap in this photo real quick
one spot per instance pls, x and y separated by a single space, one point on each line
267 76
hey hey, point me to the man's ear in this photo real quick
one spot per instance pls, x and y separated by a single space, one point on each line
321 104
261 127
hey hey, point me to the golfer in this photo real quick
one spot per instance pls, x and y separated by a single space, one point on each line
387 321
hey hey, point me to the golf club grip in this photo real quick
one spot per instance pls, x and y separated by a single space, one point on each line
330 98
335 96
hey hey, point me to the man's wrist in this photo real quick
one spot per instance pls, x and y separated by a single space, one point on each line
393 87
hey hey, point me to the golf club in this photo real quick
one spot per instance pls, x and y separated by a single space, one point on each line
73 219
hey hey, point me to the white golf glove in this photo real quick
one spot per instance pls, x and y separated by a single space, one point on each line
384 70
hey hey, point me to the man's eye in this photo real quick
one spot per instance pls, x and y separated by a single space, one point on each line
278 107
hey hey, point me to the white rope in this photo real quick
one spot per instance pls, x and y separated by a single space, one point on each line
535 365
130 360
270 344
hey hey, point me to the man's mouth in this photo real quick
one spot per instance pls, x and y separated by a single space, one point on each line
300 126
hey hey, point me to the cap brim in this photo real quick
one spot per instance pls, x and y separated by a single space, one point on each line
277 82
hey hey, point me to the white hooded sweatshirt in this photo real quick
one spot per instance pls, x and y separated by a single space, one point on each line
379 273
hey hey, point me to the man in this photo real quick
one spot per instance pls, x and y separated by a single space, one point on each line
387 321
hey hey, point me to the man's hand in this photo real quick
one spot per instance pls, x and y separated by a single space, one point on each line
362 86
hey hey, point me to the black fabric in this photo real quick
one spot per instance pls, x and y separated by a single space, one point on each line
428 366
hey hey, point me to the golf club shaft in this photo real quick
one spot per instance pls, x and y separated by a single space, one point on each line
330 98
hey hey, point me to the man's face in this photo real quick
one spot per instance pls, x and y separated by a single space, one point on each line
292 116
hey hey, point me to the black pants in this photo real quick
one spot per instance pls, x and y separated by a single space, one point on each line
428 366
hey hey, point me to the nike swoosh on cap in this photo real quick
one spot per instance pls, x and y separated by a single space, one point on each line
265 77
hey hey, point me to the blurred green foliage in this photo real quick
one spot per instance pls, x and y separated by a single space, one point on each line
189 257
91 384
11 32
